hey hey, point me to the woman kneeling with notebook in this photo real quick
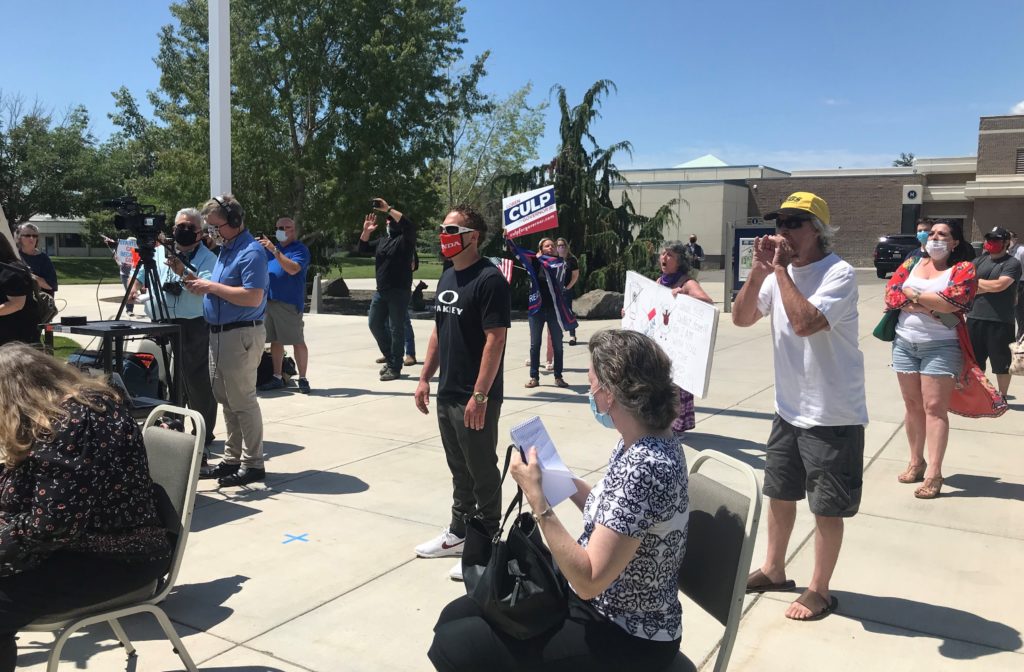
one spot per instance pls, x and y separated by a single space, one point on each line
624 610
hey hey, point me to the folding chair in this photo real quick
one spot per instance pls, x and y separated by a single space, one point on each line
174 461
720 542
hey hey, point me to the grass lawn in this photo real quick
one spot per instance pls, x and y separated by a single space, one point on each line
85 270
90 270
64 346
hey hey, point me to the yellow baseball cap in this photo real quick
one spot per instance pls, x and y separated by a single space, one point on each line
801 203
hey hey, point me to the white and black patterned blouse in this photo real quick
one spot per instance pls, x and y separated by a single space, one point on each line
86 489
644 495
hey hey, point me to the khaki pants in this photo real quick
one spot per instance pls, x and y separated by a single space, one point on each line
234 356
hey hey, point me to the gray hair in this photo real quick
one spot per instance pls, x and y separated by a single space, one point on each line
638 374
191 213
27 226
826 234
680 250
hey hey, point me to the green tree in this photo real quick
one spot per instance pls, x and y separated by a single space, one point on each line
608 239
333 103
495 142
905 159
47 166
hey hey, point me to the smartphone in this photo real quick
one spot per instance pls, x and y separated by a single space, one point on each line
376 203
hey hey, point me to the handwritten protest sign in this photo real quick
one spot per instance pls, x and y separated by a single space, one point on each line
127 252
684 327
530 212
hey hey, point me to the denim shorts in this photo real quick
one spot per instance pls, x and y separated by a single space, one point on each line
934 358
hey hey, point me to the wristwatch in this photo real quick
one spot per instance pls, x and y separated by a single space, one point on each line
480 397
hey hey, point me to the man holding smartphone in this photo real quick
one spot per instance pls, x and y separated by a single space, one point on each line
186 309
393 253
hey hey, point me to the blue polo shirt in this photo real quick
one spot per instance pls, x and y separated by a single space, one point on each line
284 286
242 263
184 306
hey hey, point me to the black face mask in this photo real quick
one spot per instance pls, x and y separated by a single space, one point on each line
185 237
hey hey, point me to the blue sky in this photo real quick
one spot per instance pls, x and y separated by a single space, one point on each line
793 85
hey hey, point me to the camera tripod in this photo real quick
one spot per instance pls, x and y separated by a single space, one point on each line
147 265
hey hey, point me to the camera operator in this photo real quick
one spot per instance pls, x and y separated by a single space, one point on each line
393 259
186 309
235 299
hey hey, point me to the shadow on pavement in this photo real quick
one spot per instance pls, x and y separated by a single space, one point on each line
733 447
971 485
201 605
211 512
312 482
737 412
957 627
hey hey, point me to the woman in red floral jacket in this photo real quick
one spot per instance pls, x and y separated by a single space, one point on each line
78 518
931 293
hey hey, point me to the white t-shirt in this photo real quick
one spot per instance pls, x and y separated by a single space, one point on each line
819 379
918 327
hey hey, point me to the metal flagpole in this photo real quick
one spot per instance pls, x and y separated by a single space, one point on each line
220 96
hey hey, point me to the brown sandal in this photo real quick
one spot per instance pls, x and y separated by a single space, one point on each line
930 489
533 383
816 603
912 474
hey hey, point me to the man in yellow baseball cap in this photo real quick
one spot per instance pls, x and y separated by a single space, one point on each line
802 203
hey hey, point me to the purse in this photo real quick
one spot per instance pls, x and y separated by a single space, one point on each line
514 581
1017 357
885 330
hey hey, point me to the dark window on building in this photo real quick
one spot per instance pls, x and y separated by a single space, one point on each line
71 240
1020 160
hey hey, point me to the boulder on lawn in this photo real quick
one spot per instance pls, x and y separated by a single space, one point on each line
337 289
598 305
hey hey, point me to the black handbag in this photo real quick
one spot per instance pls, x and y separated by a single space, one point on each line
514 581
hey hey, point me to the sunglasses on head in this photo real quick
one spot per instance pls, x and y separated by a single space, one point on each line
791 222
452 229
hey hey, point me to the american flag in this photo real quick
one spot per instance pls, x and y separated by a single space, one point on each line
505 266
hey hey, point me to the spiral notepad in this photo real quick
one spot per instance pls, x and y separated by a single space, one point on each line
557 479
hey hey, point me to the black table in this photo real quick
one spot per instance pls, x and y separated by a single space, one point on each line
114 333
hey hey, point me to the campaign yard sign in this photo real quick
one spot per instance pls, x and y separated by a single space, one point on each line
127 252
530 212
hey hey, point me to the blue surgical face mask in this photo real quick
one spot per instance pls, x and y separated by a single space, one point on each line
281 235
604 418
922 237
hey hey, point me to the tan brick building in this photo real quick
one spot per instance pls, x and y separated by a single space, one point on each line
982 192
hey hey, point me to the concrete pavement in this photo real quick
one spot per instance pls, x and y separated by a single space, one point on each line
354 467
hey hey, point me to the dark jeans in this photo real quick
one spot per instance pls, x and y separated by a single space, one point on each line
195 371
546 315
389 310
473 460
588 642
410 337
63 582
568 304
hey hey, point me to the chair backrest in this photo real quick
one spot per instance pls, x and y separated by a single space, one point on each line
174 462
720 542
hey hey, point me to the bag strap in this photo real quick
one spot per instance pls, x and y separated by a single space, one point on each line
497 493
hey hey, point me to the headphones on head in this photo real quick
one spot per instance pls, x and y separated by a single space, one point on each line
234 220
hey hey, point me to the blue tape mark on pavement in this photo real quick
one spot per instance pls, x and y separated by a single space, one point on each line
296 537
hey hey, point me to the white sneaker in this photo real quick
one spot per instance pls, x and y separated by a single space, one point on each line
455 573
446 544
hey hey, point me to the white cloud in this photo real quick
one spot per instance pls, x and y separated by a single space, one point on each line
1018 108
834 102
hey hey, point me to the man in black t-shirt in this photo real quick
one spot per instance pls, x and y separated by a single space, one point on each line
473 313
990 321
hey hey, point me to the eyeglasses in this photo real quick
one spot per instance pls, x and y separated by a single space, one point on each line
30 235
452 229
281 228
790 223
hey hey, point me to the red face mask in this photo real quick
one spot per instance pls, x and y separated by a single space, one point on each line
993 246
451 244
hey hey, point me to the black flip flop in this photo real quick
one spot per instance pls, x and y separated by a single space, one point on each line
758 582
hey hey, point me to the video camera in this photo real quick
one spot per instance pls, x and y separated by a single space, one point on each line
142 221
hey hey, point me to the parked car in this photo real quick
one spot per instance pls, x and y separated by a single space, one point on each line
892 250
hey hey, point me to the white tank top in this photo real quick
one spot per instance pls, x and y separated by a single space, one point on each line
919 327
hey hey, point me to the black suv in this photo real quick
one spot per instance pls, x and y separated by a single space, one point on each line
892 250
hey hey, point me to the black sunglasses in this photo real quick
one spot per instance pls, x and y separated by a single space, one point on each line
791 223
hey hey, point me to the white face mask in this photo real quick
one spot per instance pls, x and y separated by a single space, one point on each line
937 249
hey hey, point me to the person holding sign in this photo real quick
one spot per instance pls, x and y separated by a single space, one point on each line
547 314
816 446
624 611
675 274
